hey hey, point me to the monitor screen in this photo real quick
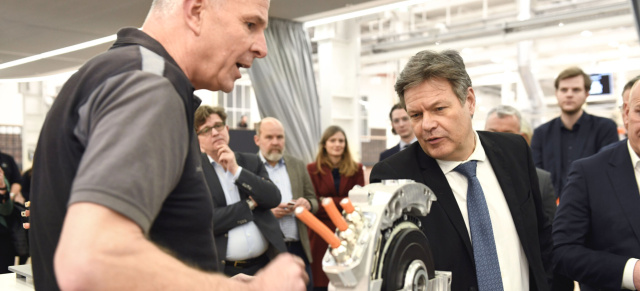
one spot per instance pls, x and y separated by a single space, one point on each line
601 84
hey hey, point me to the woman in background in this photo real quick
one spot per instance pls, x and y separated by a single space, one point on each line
333 174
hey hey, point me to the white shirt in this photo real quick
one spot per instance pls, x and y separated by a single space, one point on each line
403 144
280 177
244 241
514 266
627 275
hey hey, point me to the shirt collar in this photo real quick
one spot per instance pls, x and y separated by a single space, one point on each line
403 144
478 154
578 122
634 157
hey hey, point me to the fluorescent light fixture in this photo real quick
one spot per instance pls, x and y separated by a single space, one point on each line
363 12
57 52
63 75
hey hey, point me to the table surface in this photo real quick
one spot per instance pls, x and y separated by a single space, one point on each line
8 282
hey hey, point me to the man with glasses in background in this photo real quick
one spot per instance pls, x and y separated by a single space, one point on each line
247 234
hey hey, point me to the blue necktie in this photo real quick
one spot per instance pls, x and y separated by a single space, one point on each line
484 245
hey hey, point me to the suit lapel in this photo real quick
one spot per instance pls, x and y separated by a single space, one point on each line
503 174
296 191
434 178
214 184
624 182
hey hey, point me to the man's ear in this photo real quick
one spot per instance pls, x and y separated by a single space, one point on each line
193 11
255 139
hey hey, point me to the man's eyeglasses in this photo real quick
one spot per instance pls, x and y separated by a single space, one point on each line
207 129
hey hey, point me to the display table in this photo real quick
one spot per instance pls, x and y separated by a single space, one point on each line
9 282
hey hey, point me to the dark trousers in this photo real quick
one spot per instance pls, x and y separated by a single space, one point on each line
242 267
295 247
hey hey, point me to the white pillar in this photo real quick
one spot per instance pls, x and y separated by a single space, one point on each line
338 63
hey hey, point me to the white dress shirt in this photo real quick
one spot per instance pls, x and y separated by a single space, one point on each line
627 275
279 176
244 241
513 262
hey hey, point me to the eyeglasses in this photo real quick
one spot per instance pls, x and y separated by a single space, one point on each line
207 129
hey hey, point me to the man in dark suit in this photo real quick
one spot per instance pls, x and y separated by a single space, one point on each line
505 118
497 207
574 134
291 176
597 227
401 126
247 234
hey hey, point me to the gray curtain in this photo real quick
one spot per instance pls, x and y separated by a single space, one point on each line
285 87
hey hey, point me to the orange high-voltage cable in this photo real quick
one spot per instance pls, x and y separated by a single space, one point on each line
334 214
347 206
316 225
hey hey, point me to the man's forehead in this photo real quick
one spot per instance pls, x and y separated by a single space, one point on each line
399 112
575 80
214 117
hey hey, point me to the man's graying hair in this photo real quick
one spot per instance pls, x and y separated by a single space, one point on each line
427 65
505 110
168 6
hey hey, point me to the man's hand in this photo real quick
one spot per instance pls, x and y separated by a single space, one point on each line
285 272
636 275
282 210
302 202
26 214
227 159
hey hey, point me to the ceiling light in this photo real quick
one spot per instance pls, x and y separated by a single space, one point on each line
614 44
61 76
561 24
58 52
360 13
586 33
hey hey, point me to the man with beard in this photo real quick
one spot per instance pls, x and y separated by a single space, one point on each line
401 126
574 134
291 177
246 232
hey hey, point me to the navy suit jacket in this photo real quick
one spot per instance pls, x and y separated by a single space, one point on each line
594 133
389 152
597 225
449 239
253 181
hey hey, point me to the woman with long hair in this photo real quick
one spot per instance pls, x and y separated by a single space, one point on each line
333 174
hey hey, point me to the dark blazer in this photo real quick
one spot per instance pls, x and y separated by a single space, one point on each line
301 186
450 242
253 181
597 226
594 133
547 193
389 152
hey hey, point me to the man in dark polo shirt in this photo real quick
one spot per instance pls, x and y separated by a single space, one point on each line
119 198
